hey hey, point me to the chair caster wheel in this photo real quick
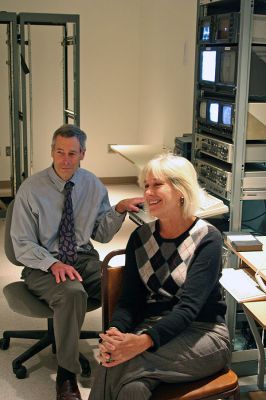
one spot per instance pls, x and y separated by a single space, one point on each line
4 343
20 372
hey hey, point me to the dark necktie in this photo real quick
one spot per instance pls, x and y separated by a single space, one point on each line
67 240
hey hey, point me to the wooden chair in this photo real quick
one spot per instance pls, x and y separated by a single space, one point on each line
221 385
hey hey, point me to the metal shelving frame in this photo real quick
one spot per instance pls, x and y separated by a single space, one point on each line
10 20
18 61
243 71
241 112
25 20
239 139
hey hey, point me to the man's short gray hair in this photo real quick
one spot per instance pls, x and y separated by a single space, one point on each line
68 131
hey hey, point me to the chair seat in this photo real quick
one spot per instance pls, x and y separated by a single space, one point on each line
22 301
219 383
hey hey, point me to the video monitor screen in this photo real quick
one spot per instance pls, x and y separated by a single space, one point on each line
223 26
227 114
203 109
227 67
205 31
208 65
214 112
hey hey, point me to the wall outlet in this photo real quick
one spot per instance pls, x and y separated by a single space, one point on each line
109 149
8 151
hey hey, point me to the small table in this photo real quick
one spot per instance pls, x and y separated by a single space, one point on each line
256 260
139 154
255 310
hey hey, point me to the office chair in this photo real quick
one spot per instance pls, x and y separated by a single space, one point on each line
221 385
22 301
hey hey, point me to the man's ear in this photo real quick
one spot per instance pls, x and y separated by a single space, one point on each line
82 154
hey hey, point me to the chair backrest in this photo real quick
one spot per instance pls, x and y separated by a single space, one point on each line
9 249
19 298
111 286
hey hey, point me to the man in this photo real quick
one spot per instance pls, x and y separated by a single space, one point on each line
65 273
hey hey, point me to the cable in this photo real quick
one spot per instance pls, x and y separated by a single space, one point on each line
257 233
254 218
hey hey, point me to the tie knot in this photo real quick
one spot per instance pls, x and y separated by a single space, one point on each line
69 186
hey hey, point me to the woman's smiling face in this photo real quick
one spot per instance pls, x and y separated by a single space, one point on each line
162 198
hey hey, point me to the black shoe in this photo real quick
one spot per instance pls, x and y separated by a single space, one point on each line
68 390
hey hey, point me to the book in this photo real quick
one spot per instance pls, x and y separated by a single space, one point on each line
243 241
241 285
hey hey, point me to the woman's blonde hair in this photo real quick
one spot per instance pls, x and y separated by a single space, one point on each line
181 173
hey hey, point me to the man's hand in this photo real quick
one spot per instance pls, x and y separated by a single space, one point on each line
129 204
62 271
117 347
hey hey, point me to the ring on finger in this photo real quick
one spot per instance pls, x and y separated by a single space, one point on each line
110 358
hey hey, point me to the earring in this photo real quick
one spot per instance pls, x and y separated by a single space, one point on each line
182 200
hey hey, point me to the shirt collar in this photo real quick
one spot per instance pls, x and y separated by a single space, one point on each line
59 182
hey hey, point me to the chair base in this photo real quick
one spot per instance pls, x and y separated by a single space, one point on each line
45 339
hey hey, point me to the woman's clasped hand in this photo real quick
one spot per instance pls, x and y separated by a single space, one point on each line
116 347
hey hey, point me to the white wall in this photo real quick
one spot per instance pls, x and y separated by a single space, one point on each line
137 65
167 69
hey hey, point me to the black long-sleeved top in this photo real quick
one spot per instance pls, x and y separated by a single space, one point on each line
175 278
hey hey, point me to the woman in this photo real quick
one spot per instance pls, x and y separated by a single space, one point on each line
169 324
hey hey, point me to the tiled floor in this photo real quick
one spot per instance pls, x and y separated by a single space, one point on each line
42 368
